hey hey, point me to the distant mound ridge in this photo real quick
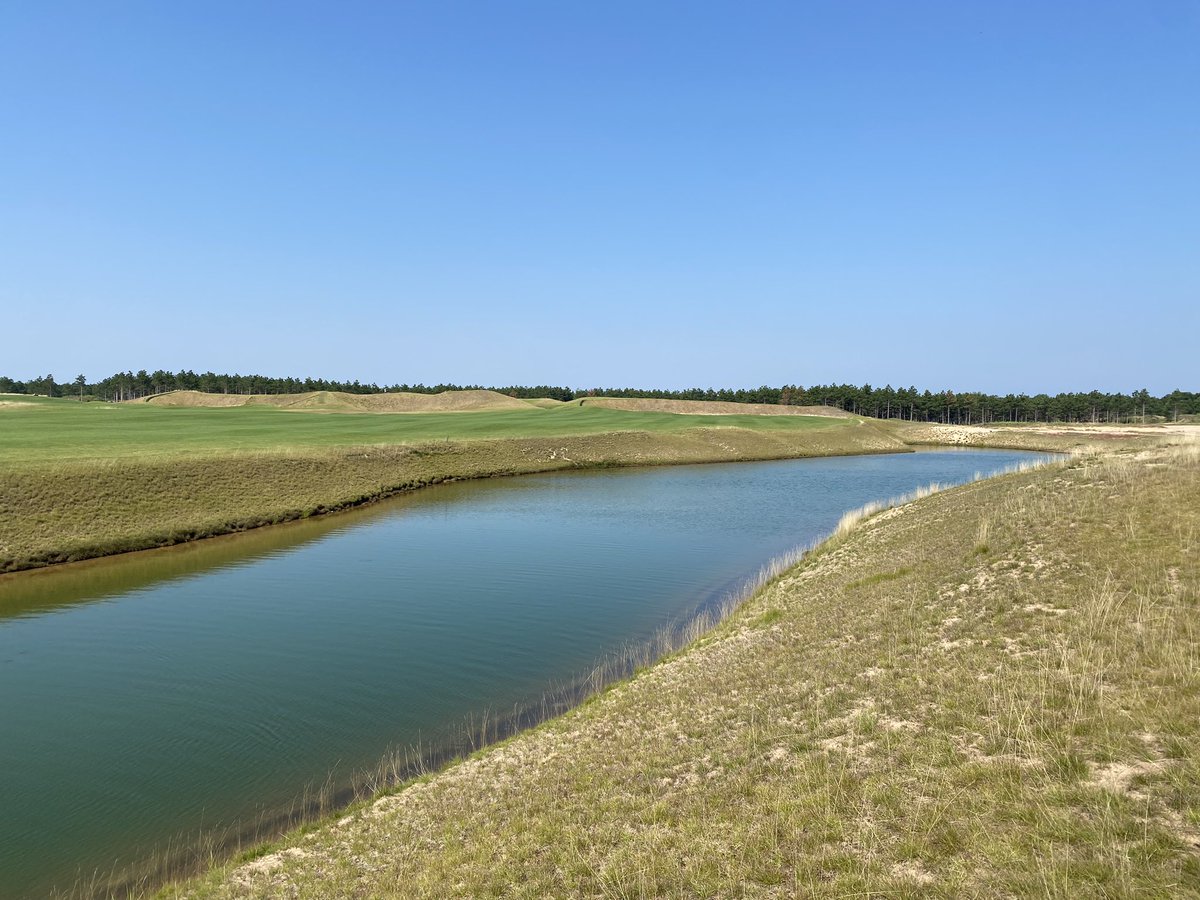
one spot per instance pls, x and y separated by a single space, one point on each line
712 407
475 401
336 401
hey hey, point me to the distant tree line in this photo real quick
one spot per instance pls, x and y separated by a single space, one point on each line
966 407
960 408
134 385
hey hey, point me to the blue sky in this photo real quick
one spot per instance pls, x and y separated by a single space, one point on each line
996 196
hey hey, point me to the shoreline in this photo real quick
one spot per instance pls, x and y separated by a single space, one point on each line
406 468
404 766
91 509
608 741
499 731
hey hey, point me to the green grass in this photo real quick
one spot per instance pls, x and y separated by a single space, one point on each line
895 716
92 479
44 430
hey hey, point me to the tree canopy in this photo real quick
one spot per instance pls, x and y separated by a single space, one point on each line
957 407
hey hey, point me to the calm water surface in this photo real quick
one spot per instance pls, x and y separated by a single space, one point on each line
175 691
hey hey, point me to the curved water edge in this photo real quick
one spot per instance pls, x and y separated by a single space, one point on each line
402 766
499 458
648 558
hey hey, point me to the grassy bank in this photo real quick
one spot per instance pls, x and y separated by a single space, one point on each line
992 691
85 480
82 480
39 429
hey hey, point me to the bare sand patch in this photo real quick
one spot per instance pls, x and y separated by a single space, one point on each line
1118 777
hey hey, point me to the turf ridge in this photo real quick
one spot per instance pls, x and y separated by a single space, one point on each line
78 483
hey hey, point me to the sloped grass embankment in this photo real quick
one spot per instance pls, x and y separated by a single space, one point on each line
115 495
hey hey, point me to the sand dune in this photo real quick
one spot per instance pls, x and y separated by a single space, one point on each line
475 401
336 401
712 407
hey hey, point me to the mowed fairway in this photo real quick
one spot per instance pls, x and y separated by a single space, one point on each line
39 430
79 480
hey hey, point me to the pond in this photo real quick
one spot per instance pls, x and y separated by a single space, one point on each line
197 689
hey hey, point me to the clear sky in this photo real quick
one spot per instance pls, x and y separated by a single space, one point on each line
999 196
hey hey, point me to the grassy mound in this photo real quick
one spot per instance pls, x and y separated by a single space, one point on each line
545 402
